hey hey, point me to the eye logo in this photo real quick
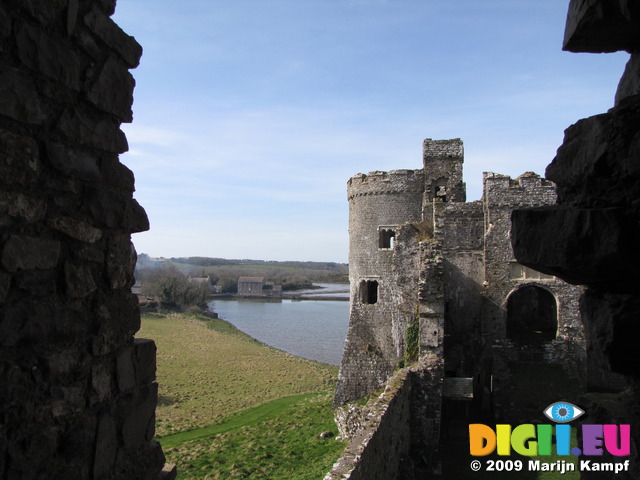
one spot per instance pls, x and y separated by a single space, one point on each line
563 412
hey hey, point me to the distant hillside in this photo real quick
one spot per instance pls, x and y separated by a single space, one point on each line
225 272
208 262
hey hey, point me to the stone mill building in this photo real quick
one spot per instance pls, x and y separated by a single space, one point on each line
433 279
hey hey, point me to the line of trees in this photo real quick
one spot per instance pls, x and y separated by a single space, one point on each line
172 289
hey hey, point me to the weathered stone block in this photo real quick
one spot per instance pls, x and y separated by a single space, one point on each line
630 82
106 206
116 174
121 261
139 425
67 400
136 219
76 229
169 472
113 75
19 162
77 444
137 365
126 370
43 12
145 360
598 26
72 16
102 132
612 331
47 55
122 317
115 209
599 153
72 322
79 280
81 163
19 98
38 283
126 46
5 282
101 377
106 448
33 453
27 253
22 207
5 23
67 364
577 245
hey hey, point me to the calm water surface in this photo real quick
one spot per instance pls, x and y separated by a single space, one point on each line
313 329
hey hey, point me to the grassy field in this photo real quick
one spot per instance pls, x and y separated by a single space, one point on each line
230 407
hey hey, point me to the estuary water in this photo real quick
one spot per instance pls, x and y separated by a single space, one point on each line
313 329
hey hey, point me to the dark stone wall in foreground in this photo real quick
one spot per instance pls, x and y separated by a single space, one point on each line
592 236
77 392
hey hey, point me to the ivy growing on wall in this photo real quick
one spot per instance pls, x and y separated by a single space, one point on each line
412 342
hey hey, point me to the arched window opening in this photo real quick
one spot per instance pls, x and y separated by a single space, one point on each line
386 238
440 189
532 315
369 291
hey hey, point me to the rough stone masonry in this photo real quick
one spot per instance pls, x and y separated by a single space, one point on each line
591 236
77 392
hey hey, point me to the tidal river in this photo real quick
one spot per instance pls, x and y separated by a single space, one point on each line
313 329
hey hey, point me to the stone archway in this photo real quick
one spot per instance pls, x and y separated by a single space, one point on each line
532 315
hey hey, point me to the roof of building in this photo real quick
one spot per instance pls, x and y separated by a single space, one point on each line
199 279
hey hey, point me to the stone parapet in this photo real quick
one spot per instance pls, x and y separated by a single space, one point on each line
385 183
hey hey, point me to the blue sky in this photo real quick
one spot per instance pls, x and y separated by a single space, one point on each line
251 115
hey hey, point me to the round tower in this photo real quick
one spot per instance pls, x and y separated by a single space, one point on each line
379 203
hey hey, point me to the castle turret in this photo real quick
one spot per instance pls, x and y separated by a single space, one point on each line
379 204
443 170
389 213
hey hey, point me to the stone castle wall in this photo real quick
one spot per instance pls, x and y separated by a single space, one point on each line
78 394
598 177
461 229
590 237
501 195
478 271
451 270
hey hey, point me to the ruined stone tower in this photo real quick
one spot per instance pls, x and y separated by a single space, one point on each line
421 256
588 237
379 204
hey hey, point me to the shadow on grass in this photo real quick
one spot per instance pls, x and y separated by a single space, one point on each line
166 400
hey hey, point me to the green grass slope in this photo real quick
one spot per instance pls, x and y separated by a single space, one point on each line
231 407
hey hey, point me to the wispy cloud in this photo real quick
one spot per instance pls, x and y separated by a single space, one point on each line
251 115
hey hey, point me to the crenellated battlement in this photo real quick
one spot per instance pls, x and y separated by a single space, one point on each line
385 183
528 189
525 181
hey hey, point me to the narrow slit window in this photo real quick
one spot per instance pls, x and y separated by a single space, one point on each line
369 292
